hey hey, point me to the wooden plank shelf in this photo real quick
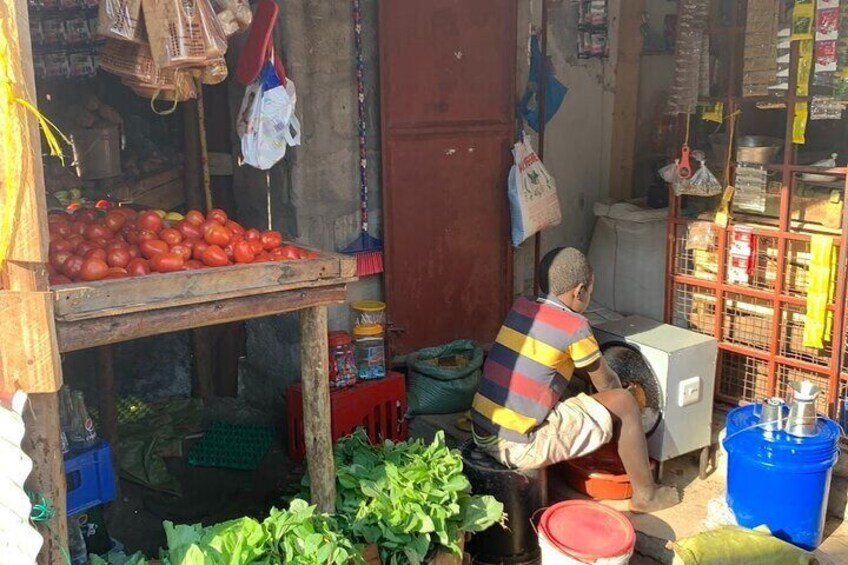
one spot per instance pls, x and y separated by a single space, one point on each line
104 312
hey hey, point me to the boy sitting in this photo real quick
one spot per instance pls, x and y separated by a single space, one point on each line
519 416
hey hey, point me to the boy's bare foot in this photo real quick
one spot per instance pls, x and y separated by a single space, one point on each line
661 498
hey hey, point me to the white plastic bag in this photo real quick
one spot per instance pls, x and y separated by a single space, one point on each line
533 200
267 124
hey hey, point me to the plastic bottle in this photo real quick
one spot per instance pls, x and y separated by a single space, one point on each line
65 411
76 543
82 434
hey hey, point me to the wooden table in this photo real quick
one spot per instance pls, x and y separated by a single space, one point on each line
106 312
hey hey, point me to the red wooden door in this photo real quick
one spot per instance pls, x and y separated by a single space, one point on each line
447 74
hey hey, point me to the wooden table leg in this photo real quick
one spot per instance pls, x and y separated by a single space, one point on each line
316 407
203 385
44 447
107 404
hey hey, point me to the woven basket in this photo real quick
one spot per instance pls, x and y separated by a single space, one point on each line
173 86
129 60
175 30
121 19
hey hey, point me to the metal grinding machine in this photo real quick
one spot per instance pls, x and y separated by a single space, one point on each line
671 371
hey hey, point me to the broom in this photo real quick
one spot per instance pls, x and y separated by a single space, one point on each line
367 249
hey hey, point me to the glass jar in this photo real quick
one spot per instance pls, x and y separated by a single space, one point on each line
342 360
369 312
369 341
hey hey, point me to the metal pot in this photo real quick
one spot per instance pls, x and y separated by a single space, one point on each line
756 149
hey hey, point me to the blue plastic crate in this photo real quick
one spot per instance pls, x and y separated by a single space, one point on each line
90 478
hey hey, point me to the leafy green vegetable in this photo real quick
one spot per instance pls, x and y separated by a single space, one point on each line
297 536
408 497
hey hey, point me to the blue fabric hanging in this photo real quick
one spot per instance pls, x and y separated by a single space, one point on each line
555 91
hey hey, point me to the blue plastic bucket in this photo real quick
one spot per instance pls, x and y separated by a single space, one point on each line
778 480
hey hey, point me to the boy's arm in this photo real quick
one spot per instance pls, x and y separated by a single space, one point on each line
602 376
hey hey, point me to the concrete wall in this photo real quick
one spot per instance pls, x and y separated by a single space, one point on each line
313 192
577 139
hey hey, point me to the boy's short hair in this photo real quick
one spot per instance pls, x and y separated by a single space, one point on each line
564 269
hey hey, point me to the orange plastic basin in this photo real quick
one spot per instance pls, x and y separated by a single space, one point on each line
599 475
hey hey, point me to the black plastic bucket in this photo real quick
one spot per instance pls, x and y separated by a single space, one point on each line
522 494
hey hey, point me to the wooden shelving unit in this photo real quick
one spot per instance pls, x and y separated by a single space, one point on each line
759 323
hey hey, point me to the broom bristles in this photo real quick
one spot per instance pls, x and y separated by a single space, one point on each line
369 263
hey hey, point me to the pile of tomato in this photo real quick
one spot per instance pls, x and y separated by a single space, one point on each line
92 244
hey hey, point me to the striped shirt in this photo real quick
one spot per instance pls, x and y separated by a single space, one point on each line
538 348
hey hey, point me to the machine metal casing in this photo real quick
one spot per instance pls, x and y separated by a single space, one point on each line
674 355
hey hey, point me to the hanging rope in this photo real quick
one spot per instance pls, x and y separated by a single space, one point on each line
363 125
15 138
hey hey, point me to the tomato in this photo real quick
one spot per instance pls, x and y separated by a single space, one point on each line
57 260
59 229
135 252
256 246
243 252
131 236
308 254
252 234
117 244
145 235
217 235
149 220
235 228
262 257
138 267
195 218
167 263
84 247
101 242
78 227
57 217
96 253
290 252
116 275
93 269
115 220
57 279
182 250
61 245
72 207
51 270
103 205
208 224
75 239
71 267
189 231
214 256
170 236
198 249
118 257
150 248
193 264
217 215
271 239
230 250
87 215
97 231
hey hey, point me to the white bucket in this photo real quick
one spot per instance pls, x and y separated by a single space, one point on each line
581 532
551 555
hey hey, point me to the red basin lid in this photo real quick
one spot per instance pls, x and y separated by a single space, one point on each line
587 530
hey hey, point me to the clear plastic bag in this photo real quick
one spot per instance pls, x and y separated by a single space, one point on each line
213 34
233 15
121 19
702 183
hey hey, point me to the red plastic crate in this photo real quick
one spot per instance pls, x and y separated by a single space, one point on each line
378 406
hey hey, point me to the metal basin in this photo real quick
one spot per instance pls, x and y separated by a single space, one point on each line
757 149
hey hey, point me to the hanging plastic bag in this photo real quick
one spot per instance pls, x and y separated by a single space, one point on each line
533 200
555 91
702 183
267 123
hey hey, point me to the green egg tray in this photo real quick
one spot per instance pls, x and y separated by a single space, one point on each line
232 446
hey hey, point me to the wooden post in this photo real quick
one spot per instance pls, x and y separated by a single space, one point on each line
106 396
25 272
203 385
44 447
626 32
316 407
